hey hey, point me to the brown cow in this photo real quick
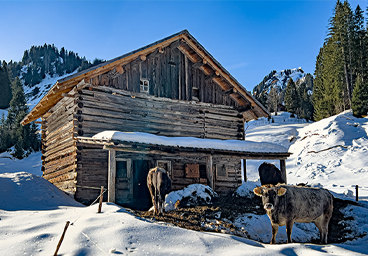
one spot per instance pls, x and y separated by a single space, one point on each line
159 184
270 174
288 204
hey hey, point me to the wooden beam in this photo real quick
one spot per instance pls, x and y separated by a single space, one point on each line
245 169
244 108
283 169
209 171
210 77
176 44
230 91
198 64
120 69
187 54
111 176
143 57
186 67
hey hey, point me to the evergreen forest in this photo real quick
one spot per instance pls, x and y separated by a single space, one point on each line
37 62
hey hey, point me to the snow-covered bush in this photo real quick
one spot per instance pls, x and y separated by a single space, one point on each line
194 194
246 189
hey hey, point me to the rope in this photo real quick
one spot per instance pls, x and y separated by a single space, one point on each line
93 242
72 224
89 206
87 187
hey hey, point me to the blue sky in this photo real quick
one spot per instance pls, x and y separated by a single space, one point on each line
249 38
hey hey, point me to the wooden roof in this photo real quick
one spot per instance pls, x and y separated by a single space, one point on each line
188 45
145 148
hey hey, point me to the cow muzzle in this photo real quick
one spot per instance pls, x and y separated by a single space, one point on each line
268 207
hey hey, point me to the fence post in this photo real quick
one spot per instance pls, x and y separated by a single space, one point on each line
356 192
101 198
62 238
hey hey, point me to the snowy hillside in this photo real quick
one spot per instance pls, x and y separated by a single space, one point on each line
35 93
332 152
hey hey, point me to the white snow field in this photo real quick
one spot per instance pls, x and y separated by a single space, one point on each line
331 153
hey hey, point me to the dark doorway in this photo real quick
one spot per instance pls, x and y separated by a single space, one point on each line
141 195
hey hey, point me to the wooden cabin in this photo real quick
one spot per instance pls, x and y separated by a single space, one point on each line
171 88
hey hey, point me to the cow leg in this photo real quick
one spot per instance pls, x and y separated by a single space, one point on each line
325 221
289 230
319 225
275 228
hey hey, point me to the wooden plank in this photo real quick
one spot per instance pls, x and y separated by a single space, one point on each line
59 148
58 154
111 176
51 175
64 177
209 171
244 169
283 169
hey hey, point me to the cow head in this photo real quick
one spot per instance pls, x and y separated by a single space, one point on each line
269 196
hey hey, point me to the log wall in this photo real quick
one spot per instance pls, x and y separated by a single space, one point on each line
59 160
100 110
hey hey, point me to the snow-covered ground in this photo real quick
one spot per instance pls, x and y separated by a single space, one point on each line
331 153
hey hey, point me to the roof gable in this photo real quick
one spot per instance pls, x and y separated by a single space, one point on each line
187 44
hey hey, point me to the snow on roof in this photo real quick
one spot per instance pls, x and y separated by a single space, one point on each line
190 142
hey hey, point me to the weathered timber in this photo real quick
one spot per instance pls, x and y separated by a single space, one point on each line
60 142
58 137
63 177
62 129
60 162
57 154
59 172
59 148
63 185
111 177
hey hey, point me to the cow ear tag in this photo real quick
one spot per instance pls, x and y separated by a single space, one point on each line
281 191
258 191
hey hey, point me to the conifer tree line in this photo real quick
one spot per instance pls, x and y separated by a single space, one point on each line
341 75
24 139
47 59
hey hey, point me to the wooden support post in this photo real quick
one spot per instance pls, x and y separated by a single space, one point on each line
101 199
356 193
245 169
186 67
111 176
62 237
283 169
209 171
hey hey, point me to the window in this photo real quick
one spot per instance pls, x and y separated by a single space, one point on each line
144 83
221 170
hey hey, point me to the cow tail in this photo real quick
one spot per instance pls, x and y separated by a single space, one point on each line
156 204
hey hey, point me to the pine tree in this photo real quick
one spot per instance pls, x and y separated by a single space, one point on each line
305 102
273 100
291 97
360 44
6 94
360 98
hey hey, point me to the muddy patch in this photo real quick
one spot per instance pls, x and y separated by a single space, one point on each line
220 214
